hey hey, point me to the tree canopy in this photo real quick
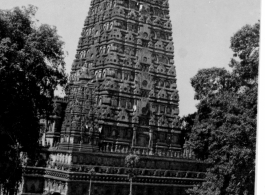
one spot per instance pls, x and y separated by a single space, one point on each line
224 128
31 67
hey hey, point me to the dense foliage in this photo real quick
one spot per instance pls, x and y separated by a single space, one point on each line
224 130
31 67
131 160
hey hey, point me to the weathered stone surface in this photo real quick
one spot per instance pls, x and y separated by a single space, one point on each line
122 97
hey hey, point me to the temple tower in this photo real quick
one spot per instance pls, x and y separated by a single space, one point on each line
122 86
121 98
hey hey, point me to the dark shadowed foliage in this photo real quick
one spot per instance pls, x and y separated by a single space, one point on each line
224 129
31 67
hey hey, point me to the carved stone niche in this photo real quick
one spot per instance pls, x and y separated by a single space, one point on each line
112 58
129 51
108 113
162 94
170 47
114 101
132 15
175 110
159 45
111 84
96 31
92 54
175 123
86 41
87 20
144 32
100 61
104 37
168 24
172 71
109 72
107 14
144 56
139 42
151 68
129 104
150 44
142 18
167 84
163 122
75 64
152 120
165 3
144 9
175 96
103 49
175 139
115 34
118 11
158 12
123 116
173 86
90 21
122 102
157 21
124 87
128 61
163 59
106 100
144 80
161 69
129 37
142 140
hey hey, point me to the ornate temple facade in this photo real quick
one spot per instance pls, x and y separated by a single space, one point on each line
121 98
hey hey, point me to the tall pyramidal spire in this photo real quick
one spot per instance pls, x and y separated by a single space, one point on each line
122 92
121 101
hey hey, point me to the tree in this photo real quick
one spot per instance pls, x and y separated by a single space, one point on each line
187 123
91 173
224 130
131 161
31 67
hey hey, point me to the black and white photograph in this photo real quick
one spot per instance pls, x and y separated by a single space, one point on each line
131 97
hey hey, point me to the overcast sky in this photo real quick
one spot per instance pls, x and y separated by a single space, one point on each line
201 32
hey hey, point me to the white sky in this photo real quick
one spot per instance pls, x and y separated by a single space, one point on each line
201 32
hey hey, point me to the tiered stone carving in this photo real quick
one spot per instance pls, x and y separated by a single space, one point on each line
124 75
121 98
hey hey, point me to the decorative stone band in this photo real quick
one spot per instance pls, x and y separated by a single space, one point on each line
179 178
183 154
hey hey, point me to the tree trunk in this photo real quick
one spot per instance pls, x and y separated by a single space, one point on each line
131 186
